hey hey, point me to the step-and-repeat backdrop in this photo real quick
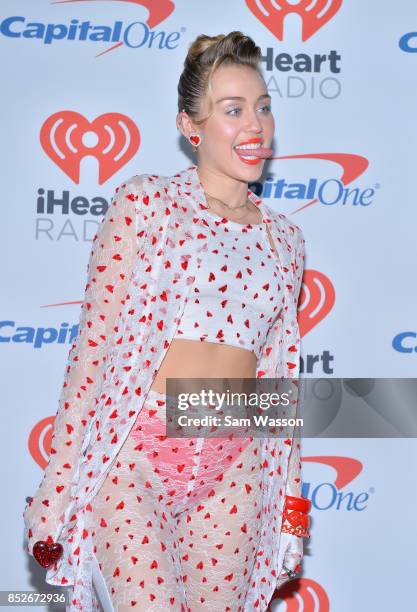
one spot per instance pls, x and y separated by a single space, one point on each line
342 76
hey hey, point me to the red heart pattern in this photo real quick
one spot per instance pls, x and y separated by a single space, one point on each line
124 353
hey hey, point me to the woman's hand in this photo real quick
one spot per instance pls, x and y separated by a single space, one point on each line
41 525
290 555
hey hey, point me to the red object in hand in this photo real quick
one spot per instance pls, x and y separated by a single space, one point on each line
46 553
295 518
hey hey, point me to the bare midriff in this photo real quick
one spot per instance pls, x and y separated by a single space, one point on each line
195 359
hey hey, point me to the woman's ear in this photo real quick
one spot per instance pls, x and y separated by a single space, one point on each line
184 124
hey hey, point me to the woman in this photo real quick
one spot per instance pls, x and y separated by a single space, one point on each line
190 276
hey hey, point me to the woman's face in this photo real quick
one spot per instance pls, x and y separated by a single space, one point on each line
236 121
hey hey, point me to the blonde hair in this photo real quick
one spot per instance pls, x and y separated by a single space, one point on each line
205 55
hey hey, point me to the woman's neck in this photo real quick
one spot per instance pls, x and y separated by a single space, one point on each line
224 188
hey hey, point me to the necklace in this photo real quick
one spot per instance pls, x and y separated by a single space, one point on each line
227 205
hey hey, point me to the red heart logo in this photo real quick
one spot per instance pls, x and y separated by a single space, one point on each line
40 439
46 554
273 15
62 137
195 139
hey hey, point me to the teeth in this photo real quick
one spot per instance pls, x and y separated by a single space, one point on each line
249 146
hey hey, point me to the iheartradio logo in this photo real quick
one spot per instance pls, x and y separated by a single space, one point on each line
314 15
40 440
301 595
67 137
317 298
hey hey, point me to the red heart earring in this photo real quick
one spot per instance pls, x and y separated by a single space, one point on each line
46 553
195 139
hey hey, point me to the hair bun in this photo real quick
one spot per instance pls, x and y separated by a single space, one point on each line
200 45
204 56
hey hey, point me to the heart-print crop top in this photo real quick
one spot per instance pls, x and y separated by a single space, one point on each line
237 293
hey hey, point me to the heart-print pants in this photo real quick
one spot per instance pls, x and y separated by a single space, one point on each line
177 520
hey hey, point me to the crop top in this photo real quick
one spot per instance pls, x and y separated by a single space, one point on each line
238 287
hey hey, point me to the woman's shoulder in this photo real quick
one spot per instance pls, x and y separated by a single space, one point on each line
145 190
140 182
157 189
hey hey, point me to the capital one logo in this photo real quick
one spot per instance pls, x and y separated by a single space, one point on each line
331 192
346 468
67 137
317 298
157 11
314 14
408 42
334 495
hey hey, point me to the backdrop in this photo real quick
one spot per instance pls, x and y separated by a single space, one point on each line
90 99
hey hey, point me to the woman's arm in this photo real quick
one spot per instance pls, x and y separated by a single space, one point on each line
294 483
111 262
